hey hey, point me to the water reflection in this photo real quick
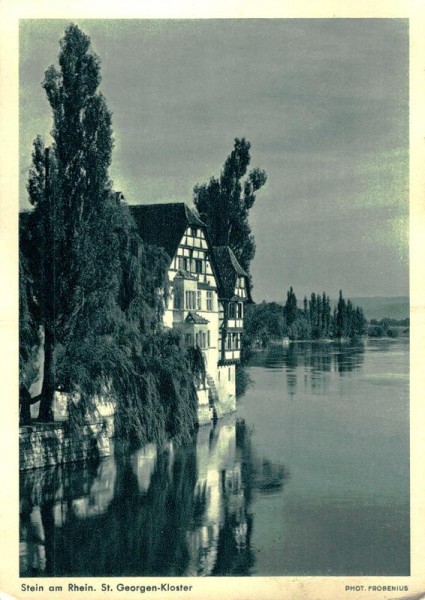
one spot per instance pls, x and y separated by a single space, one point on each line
183 511
223 506
314 360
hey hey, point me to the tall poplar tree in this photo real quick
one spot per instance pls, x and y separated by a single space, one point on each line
73 236
224 203
291 309
326 320
341 316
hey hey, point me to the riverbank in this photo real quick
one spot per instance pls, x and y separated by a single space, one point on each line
358 338
53 444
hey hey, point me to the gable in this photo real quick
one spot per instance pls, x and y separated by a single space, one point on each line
233 280
192 258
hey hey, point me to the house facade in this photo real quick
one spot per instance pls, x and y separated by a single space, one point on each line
207 292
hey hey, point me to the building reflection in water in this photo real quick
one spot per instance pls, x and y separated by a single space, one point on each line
182 511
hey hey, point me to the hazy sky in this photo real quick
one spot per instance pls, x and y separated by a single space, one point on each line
323 102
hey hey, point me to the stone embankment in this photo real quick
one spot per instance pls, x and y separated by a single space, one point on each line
52 444
55 443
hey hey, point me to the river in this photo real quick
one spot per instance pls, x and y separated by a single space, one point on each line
310 477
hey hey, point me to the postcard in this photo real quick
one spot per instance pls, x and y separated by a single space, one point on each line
212 234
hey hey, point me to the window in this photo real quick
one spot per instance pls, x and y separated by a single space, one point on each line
239 310
197 339
229 374
198 266
233 341
183 263
189 339
208 339
209 301
177 298
232 310
191 300
193 231
199 299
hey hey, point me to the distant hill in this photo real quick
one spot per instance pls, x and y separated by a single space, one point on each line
380 307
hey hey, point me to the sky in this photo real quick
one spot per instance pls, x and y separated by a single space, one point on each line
324 103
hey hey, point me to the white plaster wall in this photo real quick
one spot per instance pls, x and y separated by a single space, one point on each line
226 389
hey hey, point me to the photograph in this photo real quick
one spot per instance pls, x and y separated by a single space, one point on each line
214 296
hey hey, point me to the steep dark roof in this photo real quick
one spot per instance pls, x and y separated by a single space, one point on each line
164 224
228 269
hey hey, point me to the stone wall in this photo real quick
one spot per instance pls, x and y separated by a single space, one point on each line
51 444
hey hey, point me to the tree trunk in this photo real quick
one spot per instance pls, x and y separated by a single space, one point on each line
48 387
24 406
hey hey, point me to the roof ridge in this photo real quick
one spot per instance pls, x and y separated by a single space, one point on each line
231 255
157 204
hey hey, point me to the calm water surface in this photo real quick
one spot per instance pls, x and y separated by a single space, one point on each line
310 477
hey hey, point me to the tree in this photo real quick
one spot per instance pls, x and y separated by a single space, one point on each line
291 310
359 321
326 306
348 320
73 228
28 339
349 324
313 314
224 203
341 316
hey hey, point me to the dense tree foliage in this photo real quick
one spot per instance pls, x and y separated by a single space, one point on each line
262 323
29 338
99 292
349 320
319 316
224 203
291 310
272 321
389 327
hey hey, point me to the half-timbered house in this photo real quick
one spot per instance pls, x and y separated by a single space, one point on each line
207 292
234 293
